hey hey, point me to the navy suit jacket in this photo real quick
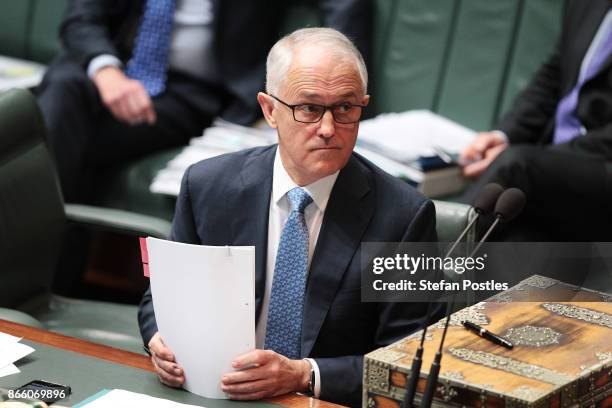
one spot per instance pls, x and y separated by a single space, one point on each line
225 201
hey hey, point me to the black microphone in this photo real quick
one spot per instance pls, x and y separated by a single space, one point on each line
483 204
509 205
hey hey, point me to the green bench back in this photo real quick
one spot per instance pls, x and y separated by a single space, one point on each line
43 43
464 59
29 29
14 25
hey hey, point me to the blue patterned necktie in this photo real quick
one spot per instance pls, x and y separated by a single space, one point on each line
284 327
567 125
149 63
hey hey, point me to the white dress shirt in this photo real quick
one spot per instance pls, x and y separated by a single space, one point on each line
280 208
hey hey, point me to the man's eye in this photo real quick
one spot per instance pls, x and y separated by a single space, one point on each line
309 108
346 107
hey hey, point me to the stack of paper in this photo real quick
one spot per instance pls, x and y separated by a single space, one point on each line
406 136
18 73
223 137
11 351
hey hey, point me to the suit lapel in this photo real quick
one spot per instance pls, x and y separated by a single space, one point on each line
346 218
584 28
249 208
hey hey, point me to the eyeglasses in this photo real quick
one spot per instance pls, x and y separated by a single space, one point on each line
344 113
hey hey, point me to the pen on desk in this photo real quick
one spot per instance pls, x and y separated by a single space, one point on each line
485 334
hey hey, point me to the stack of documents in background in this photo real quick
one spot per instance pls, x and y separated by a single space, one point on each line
11 351
393 141
17 73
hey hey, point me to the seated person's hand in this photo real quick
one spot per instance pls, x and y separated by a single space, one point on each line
126 98
481 152
168 371
264 373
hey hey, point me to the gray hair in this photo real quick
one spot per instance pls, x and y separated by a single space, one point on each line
281 55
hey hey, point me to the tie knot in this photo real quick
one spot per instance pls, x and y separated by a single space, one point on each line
299 199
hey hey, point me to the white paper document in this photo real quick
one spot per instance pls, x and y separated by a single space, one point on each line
407 135
18 73
204 302
128 399
11 351
9 370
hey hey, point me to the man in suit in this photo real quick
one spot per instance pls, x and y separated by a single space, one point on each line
556 142
140 76
306 205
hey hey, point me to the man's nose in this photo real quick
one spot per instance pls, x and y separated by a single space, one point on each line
328 126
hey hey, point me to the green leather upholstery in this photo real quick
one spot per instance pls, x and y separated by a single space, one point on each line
118 221
32 219
14 24
463 59
101 322
16 316
129 189
31 207
451 219
43 41
29 29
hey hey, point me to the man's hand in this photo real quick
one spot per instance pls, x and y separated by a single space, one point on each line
481 152
264 373
126 98
168 371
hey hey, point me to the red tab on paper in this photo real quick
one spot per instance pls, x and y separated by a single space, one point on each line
144 255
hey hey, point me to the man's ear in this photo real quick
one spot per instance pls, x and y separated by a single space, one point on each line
365 100
267 107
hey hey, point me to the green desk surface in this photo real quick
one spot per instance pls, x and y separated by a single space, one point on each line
88 375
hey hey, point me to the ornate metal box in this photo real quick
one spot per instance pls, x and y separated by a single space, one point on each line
562 355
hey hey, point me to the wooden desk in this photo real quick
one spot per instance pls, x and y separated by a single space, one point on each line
123 358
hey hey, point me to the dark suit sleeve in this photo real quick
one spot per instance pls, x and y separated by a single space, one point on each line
535 107
85 29
597 142
183 230
341 377
353 18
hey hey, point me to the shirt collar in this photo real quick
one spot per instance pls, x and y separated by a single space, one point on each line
282 183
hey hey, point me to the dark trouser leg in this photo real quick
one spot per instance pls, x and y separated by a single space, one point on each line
567 193
568 200
87 140
70 105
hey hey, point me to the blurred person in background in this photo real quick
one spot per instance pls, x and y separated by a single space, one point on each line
556 141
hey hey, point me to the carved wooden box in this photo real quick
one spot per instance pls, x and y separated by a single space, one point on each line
562 355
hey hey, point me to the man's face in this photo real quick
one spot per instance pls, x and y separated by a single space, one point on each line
311 151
